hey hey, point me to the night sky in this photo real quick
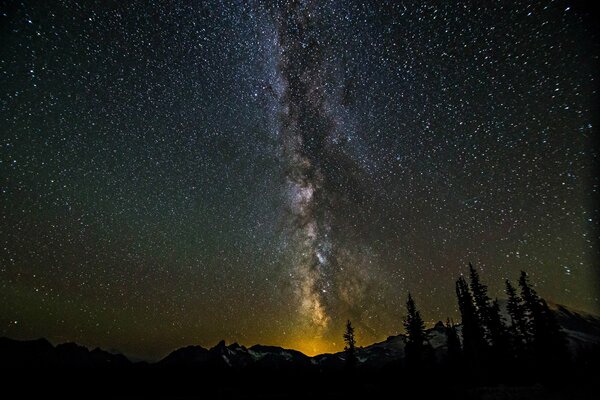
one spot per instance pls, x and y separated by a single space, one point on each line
185 172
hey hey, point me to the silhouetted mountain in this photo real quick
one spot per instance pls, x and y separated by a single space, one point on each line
190 356
582 331
26 353
41 354
277 357
235 356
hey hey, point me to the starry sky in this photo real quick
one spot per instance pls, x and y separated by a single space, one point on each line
185 171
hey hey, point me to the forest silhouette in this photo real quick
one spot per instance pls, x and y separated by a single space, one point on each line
517 350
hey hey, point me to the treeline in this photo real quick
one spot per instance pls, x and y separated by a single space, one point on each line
527 347
531 344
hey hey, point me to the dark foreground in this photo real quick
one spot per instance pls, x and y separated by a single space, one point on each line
37 369
272 384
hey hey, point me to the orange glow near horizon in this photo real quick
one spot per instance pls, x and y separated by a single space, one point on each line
314 346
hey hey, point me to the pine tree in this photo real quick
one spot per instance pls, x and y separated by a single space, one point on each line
473 337
497 326
547 343
492 321
500 350
416 336
518 322
483 304
531 308
480 296
350 347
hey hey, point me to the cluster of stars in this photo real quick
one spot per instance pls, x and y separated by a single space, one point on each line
251 171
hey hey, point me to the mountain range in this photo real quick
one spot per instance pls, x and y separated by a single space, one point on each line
581 329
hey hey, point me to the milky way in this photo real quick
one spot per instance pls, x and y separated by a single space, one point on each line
318 175
306 127
261 172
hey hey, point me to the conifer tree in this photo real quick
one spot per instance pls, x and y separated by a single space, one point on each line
531 307
518 322
496 323
473 336
480 296
416 335
350 347
547 344
490 316
500 349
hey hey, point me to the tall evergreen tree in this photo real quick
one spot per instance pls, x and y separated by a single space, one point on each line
480 296
490 317
531 308
473 337
482 303
416 335
500 350
350 347
518 322
547 344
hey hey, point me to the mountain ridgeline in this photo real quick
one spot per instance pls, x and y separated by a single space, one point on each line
518 341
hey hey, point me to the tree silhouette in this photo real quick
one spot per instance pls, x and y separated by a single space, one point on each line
416 336
350 347
518 332
531 306
500 350
480 296
547 345
518 322
473 337
496 336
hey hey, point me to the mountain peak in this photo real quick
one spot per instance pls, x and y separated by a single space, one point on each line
439 326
